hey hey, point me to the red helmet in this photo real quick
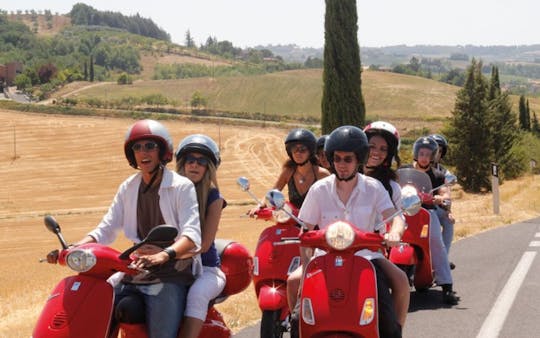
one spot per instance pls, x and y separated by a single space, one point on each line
148 129
236 264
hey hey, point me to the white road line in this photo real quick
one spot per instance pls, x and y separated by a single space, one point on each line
534 244
495 320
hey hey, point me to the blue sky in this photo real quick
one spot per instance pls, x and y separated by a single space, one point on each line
380 22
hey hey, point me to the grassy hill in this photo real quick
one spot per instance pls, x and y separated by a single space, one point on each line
297 95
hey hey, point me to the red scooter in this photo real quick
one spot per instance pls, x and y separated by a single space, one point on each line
339 288
274 260
414 256
82 305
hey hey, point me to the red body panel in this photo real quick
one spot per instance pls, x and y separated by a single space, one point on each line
274 262
79 306
337 295
418 253
337 285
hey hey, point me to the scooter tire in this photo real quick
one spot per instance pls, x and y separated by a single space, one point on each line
271 324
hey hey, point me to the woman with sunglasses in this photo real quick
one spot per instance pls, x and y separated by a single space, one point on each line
153 196
301 170
197 158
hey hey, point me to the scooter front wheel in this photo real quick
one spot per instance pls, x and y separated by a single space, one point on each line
271 326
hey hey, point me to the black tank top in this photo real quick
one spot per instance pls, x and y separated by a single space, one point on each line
294 196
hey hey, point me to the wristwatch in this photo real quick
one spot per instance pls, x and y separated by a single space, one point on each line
171 252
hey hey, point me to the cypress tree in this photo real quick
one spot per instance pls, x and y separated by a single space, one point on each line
342 101
523 120
91 68
502 128
468 132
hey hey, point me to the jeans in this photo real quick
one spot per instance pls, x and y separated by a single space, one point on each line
439 257
447 228
164 306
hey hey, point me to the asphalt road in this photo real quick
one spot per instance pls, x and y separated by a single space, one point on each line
497 277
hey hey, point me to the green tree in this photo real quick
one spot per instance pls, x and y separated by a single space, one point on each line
524 117
468 132
91 62
505 136
190 43
342 101
535 127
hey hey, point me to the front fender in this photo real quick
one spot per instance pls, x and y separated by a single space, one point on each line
403 255
273 297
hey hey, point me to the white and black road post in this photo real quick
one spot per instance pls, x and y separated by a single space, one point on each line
495 187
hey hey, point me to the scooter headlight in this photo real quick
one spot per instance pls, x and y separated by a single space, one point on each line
339 235
281 216
81 260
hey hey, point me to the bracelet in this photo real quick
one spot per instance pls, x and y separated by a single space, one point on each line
171 252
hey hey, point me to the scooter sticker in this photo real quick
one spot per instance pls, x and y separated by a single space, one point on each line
76 286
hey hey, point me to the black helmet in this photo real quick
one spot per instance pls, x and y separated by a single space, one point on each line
199 143
148 129
425 142
443 144
321 141
347 138
303 136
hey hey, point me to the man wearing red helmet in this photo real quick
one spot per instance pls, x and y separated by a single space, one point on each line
153 196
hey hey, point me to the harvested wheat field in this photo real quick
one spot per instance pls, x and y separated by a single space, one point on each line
70 167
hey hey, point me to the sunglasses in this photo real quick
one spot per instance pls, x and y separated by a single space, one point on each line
202 161
346 159
144 146
299 149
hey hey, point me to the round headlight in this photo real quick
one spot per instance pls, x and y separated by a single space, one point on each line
339 235
81 260
281 216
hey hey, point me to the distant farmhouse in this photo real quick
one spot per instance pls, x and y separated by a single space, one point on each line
8 72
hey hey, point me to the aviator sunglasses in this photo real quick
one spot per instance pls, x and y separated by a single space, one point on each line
202 161
346 159
149 146
299 148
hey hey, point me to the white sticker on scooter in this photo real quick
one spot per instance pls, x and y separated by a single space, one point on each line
76 286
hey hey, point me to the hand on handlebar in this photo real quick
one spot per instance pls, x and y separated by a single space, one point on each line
392 239
253 212
52 257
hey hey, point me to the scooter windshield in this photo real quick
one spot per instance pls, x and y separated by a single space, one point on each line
418 179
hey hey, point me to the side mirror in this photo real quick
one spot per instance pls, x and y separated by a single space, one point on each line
450 179
243 182
161 233
275 198
53 226
410 202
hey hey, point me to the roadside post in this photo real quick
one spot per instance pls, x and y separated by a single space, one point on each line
495 187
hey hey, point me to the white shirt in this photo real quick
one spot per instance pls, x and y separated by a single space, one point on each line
368 199
178 204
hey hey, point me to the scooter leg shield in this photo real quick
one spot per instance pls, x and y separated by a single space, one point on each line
403 255
79 306
273 297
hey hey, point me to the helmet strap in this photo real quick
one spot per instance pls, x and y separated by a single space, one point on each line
155 174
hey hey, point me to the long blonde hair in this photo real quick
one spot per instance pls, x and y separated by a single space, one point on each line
208 181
